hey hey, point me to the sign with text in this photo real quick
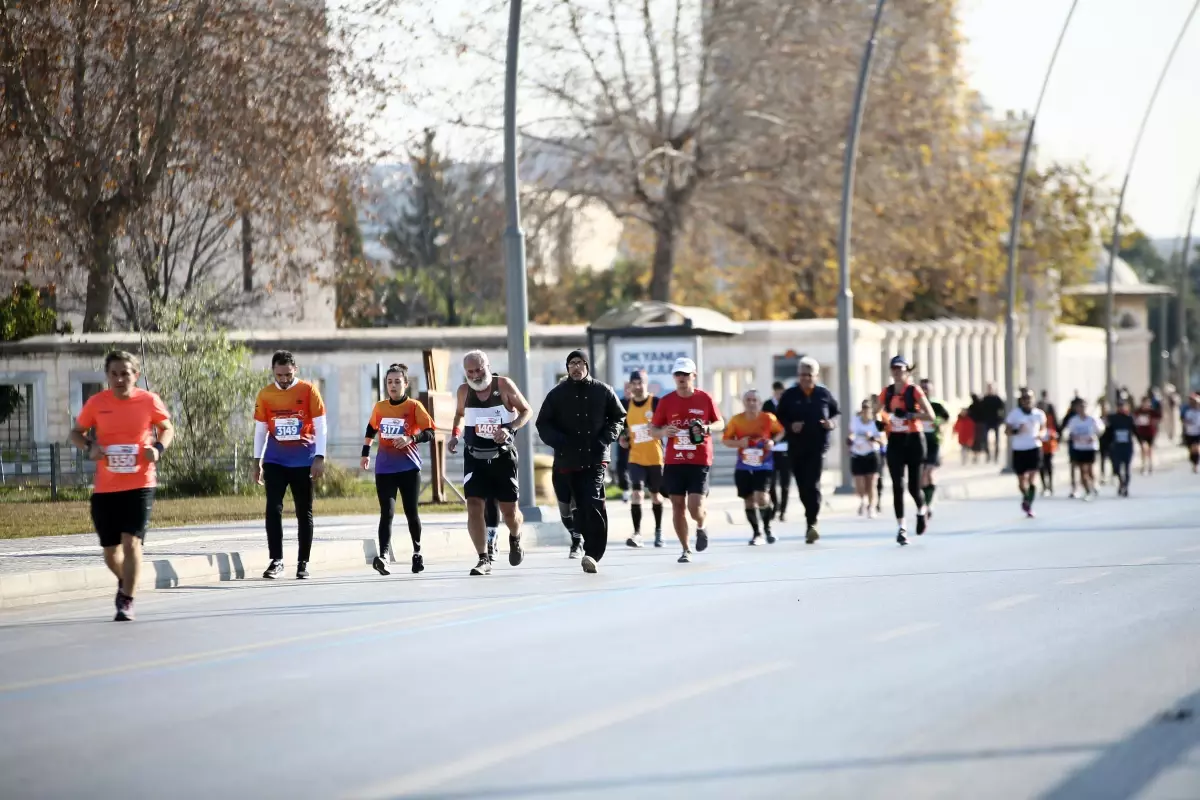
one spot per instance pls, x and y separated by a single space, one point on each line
654 356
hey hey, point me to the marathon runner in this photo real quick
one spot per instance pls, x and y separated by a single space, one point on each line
881 425
1191 430
1083 432
907 411
865 439
1105 441
754 433
807 411
115 429
645 457
933 447
781 475
623 457
491 409
1121 429
1049 448
687 417
402 423
1147 418
1026 427
290 435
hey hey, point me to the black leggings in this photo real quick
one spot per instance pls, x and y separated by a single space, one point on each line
278 480
408 484
781 479
906 451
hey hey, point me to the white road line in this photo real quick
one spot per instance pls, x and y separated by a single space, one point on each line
907 630
1193 549
1141 562
423 780
1009 602
1078 579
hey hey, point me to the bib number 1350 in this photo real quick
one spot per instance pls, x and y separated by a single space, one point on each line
122 458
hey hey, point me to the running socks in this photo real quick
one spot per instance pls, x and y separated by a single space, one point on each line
752 517
635 511
658 512
928 491
1029 493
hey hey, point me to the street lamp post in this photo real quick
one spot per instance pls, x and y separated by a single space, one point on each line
514 260
1110 376
1185 286
845 293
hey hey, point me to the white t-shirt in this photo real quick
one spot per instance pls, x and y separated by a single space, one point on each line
1084 432
1191 421
1031 428
865 435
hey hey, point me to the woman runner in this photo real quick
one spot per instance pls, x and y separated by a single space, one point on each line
402 423
908 411
865 439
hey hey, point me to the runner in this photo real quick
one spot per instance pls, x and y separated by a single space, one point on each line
1148 418
1026 426
1049 448
807 411
881 425
1121 429
1191 430
114 428
754 433
781 475
645 458
1073 463
623 457
865 439
933 447
290 434
402 423
1084 433
1105 442
580 419
687 417
908 410
491 409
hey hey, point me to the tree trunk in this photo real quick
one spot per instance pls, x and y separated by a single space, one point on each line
97 310
247 253
666 236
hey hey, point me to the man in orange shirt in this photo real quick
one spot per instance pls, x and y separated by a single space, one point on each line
120 421
754 433
290 434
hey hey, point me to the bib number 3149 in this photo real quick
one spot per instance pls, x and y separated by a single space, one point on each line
122 458
287 429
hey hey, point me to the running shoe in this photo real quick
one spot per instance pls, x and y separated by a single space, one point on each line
701 540
1029 512
124 609
589 565
274 569
1025 506
658 542
770 538
418 564
811 535
576 548
901 539
686 558
484 567
634 541
380 566
301 570
515 554
755 540
922 522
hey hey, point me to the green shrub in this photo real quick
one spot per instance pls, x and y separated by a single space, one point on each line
341 482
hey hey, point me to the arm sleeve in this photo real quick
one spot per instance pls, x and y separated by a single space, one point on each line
320 434
260 438
423 436
370 432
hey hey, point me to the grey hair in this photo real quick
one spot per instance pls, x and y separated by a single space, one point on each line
749 392
811 363
476 355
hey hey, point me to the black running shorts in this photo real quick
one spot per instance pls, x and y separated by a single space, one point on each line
1027 460
115 513
681 479
751 481
490 480
642 476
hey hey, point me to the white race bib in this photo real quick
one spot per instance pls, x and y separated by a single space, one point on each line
287 429
1082 441
683 440
899 425
486 426
391 428
641 434
122 458
752 456
1143 421
1121 436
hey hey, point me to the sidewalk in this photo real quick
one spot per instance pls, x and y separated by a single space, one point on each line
54 568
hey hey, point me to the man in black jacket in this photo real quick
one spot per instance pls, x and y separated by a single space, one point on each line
807 412
580 419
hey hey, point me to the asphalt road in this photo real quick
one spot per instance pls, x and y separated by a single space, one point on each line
996 657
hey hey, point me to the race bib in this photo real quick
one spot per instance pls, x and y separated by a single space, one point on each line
1143 421
1081 441
899 425
641 434
122 458
683 440
391 428
287 429
1121 436
752 456
487 426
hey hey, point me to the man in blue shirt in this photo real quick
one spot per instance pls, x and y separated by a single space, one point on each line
807 411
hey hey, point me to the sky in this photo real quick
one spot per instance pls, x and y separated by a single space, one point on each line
1112 55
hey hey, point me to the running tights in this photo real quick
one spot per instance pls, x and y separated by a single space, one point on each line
1121 457
278 480
781 478
1047 471
906 451
408 485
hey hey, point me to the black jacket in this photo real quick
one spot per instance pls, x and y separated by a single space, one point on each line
795 406
580 420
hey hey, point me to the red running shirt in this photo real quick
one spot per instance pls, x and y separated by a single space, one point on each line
680 411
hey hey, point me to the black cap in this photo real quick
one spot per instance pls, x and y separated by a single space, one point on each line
574 354
637 375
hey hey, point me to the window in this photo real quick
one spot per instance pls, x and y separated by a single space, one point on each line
90 390
16 415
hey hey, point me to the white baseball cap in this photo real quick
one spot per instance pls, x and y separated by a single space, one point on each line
685 365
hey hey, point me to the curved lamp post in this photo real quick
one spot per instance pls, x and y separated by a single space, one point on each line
1185 285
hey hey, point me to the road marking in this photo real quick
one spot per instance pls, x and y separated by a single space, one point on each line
1078 579
1009 602
1141 562
907 630
1194 548
556 735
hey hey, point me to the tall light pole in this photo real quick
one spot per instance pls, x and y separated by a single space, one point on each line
1185 287
845 343
1014 235
514 261
1110 375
